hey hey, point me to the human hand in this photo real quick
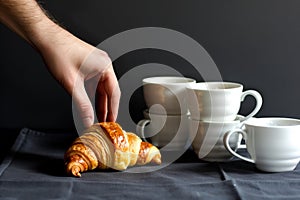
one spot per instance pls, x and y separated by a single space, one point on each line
87 74
83 70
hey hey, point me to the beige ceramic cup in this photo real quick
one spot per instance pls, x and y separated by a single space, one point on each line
208 143
219 101
167 91
168 131
273 143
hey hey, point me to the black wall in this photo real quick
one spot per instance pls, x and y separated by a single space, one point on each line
254 42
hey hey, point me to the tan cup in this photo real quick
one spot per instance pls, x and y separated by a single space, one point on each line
168 131
167 91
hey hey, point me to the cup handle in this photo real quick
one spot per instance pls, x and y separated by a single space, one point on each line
258 99
227 146
141 127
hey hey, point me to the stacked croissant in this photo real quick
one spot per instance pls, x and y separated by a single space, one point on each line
106 145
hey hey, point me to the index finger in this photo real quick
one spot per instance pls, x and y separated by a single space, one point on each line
108 96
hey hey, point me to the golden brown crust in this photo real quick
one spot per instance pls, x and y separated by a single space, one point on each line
148 153
134 147
116 135
80 158
105 145
144 150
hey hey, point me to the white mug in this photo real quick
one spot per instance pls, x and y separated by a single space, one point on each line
219 101
208 143
167 91
273 143
168 131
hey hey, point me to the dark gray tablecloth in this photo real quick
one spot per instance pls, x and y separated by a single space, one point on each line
34 169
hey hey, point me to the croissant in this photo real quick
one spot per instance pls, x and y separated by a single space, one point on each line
106 145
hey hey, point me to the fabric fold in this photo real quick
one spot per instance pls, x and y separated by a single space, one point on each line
34 169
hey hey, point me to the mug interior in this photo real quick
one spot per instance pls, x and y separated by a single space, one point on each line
237 120
147 115
274 122
168 80
214 86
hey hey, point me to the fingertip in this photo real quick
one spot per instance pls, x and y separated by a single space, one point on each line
112 117
87 122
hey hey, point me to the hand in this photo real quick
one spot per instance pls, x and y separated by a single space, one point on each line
75 64
87 74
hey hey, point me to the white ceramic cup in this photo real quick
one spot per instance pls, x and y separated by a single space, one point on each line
208 142
273 143
168 131
167 91
219 101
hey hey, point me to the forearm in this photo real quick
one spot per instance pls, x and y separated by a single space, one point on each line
27 19
70 60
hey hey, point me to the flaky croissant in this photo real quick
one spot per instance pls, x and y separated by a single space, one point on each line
105 145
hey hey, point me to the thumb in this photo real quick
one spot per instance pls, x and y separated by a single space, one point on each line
83 105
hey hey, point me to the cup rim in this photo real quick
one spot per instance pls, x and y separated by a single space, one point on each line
162 80
254 122
146 111
236 121
197 86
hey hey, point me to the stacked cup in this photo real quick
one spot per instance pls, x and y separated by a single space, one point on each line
166 118
214 108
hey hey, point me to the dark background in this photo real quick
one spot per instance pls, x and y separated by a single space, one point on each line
252 42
